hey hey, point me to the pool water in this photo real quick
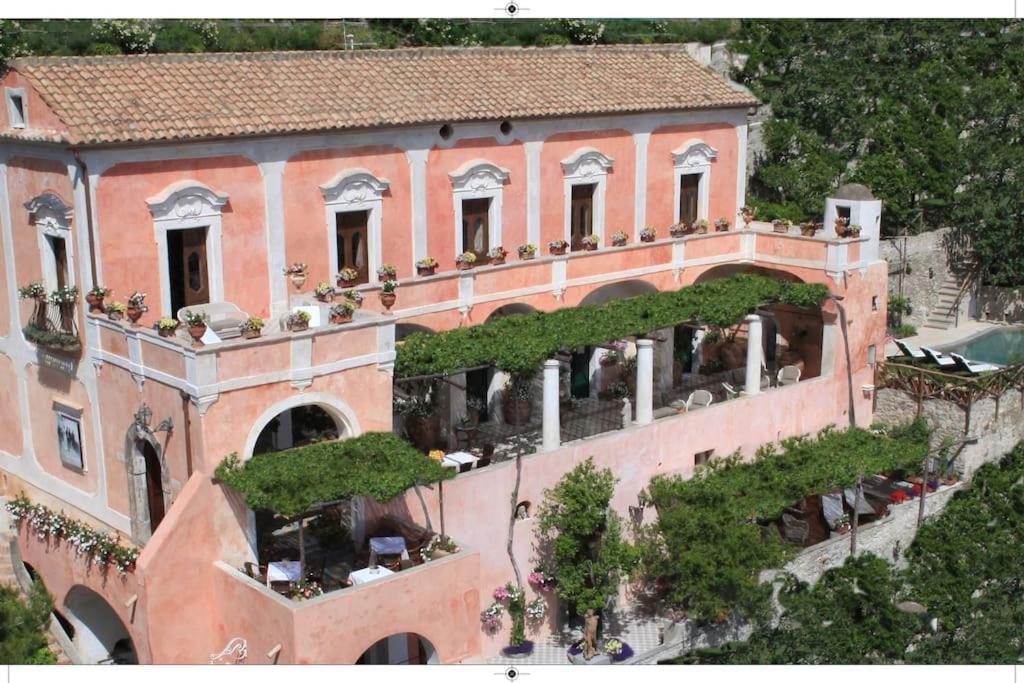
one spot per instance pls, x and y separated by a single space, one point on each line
1004 346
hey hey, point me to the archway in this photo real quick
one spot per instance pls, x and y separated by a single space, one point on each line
340 422
149 481
100 635
728 270
298 426
403 330
510 309
400 648
154 486
626 289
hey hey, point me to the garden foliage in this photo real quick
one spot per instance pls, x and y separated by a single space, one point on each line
23 625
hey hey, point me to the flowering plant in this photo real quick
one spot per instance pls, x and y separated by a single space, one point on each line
388 287
103 549
613 646
138 300
386 270
347 275
854 229
306 589
353 296
167 324
722 223
701 224
528 249
32 290
466 257
253 323
193 319
536 610
323 289
592 239
497 252
297 268
64 295
898 496
344 309
491 617
557 244
428 262
298 319
438 542
648 233
99 291
116 307
620 237
501 593
541 581
841 521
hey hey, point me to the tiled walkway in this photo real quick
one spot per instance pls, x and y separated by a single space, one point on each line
640 631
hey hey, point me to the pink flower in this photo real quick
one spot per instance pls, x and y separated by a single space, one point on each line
501 593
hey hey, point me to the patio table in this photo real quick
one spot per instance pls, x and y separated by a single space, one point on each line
284 571
458 458
368 574
387 545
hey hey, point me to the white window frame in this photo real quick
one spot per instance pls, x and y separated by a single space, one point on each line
479 179
12 111
182 206
586 166
356 189
52 218
73 413
694 157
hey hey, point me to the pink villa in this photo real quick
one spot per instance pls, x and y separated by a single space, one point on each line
229 186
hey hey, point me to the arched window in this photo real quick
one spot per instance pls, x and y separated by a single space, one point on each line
52 218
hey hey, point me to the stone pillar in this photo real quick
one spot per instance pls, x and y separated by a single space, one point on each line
644 381
753 384
551 423
697 359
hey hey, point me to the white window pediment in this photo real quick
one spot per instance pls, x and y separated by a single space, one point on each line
694 153
478 176
186 201
354 186
586 162
49 213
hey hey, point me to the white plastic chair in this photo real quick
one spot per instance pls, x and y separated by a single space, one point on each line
222 317
701 398
788 374
731 392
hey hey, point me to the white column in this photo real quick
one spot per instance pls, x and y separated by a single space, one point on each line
697 359
418 177
273 187
753 354
552 425
640 141
533 150
644 381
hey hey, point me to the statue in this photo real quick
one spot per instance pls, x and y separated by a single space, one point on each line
590 635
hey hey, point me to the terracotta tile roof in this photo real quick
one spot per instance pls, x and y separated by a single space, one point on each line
147 98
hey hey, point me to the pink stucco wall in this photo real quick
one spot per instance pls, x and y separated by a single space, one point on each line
40 117
10 413
126 234
46 387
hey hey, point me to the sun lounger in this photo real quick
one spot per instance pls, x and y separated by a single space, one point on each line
937 358
908 350
973 367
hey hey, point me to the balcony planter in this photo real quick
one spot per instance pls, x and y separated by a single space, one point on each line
722 225
115 311
298 321
252 328
678 230
841 223
781 226
95 299
497 256
648 235
423 431
591 242
353 297
347 276
324 293
342 313
527 251
386 273
619 239
426 267
747 213
296 272
809 229
517 411
388 296
166 327
197 332
701 226
853 232
465 261
134 313
557 247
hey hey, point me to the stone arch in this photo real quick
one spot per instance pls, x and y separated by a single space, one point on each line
403 330
344 417
730 269
141 450
100 635
625 289
400 648
510 309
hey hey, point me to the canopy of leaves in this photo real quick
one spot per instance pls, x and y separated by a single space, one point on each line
519 343
705 547
23 625
376 464
580 539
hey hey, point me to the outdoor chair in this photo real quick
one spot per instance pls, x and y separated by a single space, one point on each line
794 530
937 358
483 461
255 571
731 392
223 318
908 350
465 467
701 398
971 366
789 374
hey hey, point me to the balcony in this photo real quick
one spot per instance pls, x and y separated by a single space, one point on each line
53 326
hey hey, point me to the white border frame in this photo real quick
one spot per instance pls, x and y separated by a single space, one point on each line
182 206
356 189
52 218
76 414
479 179
694 157
586 166
9 95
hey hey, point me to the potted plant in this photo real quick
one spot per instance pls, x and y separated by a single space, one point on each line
347 276
417 407
748 213
497 255
437 547
591 242
298 321
95 298
619 238
252 327
342 313
465 260
115 310
809 229
426 266
648 235
527 251
617 650
354 297
722 225
386 272
64 299
517 400
387 294
853 231
297 273
166 327
33 290
841 222
701 226
678 230
557 247
781 225
842 524
136 306
324 292
196 323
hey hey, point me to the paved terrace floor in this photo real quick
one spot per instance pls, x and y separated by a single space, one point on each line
928 336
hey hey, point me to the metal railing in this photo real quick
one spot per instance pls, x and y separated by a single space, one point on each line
54 326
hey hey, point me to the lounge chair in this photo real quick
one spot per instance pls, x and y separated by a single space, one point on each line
731 392
908 350
937 358
701 398
789 374
483 462
223 318
971 366
465 467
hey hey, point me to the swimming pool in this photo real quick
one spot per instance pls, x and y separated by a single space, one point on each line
1004 346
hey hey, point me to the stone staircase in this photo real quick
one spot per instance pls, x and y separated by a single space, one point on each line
942 315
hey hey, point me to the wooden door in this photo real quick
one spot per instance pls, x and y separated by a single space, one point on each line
581 215
194 268
154 486
689 190
352 228
476 227
60 260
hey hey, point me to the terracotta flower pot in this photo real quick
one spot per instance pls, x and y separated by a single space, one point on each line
527 257
196 332
325 298
424 271
339 318
423 431
95 303
646 238
298 279
498 261
134 314
299 326
721 228
677 232
557 251
782 229
701 230
385 277
168 331
345 283
516 411
388 299
807 231
589 246
249 333
115 315
357 304
463 265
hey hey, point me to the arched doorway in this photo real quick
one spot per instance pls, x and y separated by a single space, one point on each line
149 481
154 485
99 634
298 426
401 648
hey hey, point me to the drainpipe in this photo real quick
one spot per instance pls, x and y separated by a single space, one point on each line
84 171
846 345
188 433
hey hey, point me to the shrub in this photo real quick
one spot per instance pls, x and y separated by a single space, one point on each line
23 625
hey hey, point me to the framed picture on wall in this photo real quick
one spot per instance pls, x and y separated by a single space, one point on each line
69 439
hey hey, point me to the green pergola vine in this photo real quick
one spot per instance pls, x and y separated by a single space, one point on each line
519 343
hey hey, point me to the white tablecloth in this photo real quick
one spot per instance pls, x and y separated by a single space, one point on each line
284 571
366 575
458 458
387 545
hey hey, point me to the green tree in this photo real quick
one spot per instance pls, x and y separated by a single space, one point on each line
22 626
